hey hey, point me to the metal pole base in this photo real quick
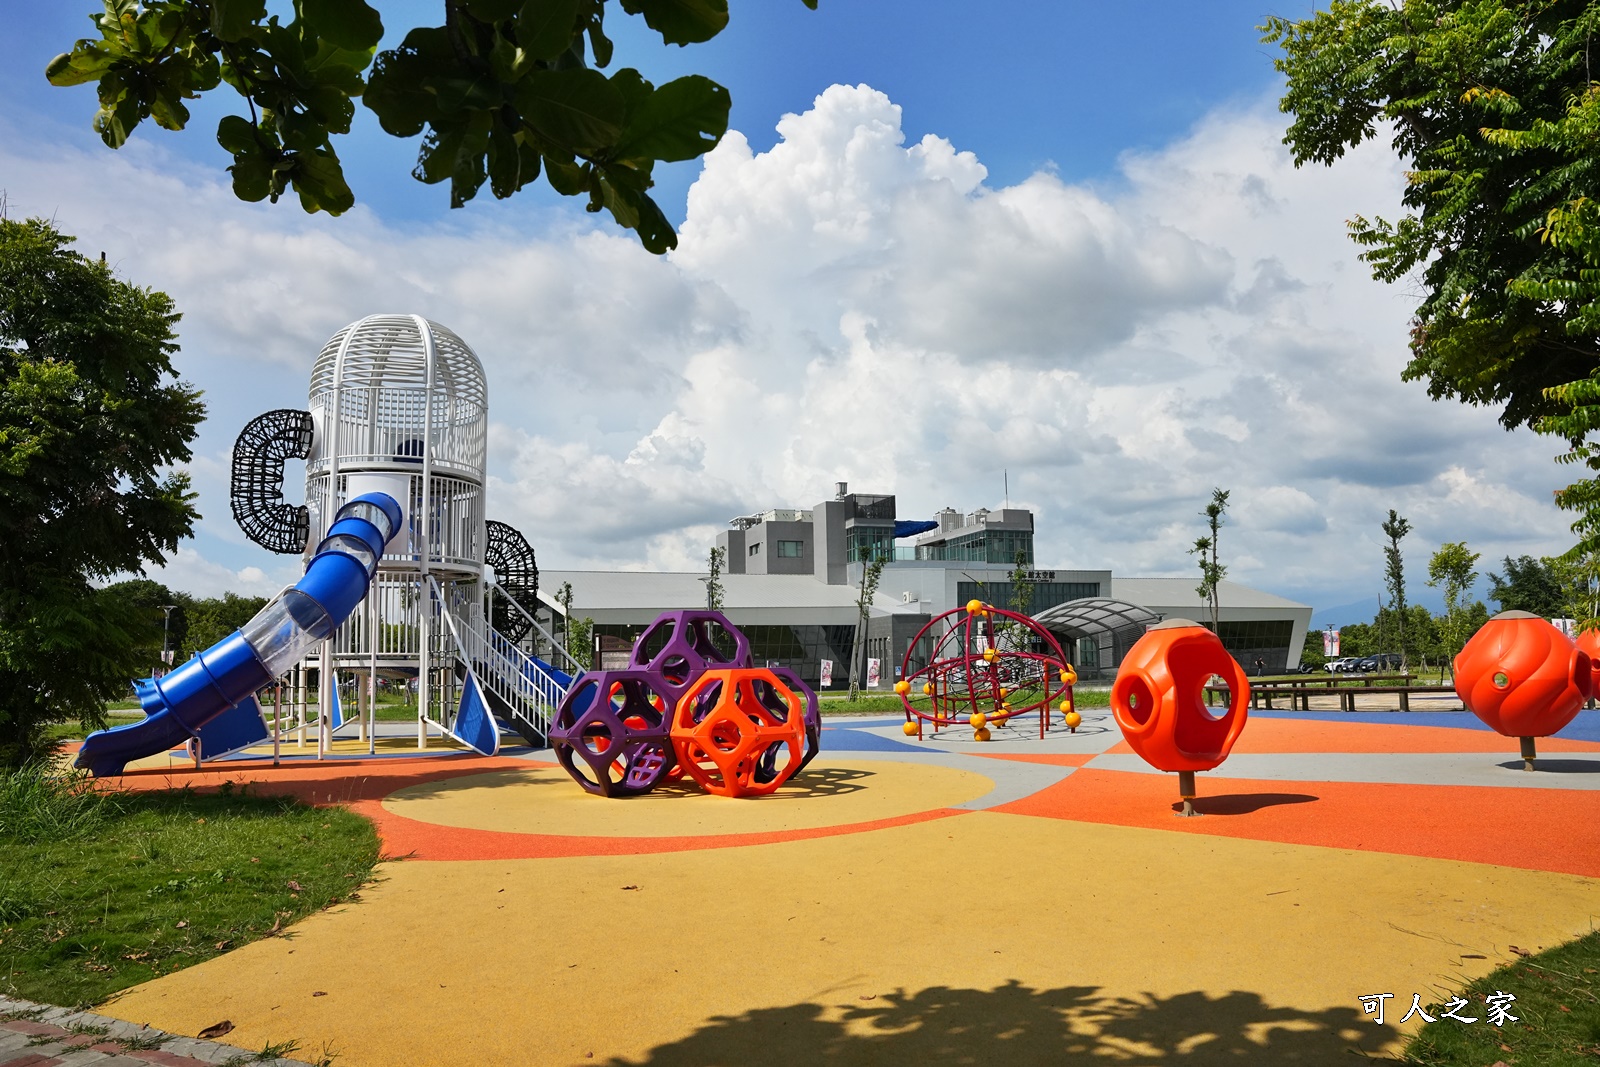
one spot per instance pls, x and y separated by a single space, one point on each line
1528 753
1187 792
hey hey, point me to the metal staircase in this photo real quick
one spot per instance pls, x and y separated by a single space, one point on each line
520 689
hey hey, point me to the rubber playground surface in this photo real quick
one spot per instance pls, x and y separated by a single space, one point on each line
1023 901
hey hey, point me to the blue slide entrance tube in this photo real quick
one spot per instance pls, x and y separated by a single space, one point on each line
229 672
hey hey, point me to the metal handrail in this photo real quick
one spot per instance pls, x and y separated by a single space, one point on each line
508 672
548 636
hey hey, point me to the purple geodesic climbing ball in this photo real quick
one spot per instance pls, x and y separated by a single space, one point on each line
813 715
612 732
680 645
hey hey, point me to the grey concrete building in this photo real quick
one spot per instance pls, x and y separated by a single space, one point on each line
793 576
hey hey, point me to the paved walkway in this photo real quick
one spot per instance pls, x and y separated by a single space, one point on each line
37 1035
1019 901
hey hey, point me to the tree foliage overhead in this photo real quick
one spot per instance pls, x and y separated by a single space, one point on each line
91 420
1472 93
501 91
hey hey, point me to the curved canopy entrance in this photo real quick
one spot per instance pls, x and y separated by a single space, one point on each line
1110 626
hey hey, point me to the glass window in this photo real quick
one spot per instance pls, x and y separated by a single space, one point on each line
755 549
791 549
866 543
1045 594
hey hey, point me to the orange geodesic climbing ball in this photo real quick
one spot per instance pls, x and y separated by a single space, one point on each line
1158 698
739 732
1522 676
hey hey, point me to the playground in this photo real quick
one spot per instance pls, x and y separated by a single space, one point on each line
682 861
1018 901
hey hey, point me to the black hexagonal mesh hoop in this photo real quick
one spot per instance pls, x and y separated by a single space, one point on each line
511 556
257 488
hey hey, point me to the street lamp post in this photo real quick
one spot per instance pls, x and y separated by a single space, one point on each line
166 629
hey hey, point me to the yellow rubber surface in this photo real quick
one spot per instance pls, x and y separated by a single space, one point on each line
982 938
543 800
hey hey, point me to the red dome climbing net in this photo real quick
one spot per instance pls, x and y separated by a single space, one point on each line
984 660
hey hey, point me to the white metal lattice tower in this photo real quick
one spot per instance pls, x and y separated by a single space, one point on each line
399 405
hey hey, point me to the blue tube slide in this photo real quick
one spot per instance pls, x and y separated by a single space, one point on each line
229 672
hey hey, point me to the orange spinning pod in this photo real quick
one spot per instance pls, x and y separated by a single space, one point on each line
1523 677
739 732
1158 700
1588 643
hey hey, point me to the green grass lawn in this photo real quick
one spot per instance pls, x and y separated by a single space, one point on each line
100 891
1557 1010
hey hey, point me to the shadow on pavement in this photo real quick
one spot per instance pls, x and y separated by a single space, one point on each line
1015 1025
1244 803
1557 766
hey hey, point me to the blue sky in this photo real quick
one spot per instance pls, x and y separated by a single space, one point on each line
1062 243
1065 84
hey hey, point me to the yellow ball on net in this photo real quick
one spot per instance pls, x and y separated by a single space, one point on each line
981 734
977 719
902 688
1066 706
927 688
909 729
1073 719
974 607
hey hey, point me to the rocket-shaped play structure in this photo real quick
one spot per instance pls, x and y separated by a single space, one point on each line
405 578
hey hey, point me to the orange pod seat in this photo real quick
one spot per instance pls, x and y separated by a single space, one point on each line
1158 698
1522 676
1588 643
739 731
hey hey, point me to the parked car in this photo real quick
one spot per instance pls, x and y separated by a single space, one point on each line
1343 664
1367 664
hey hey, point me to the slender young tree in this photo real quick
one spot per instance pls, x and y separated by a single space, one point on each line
1021 599
714 579
1453 567
564 598
1395 529
1211 568
869 589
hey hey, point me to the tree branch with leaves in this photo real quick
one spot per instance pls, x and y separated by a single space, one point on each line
502 92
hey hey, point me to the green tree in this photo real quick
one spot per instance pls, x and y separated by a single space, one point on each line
1579 579
1359 639
1447 78
1211 570
1453 567
714 579
1311 650
1530 584
1494 109
502 91
92 419
580 641
1021 601
564 598
1394 575
148 599
869 589
212 618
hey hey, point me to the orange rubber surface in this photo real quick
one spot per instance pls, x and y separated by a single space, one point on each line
1475 824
